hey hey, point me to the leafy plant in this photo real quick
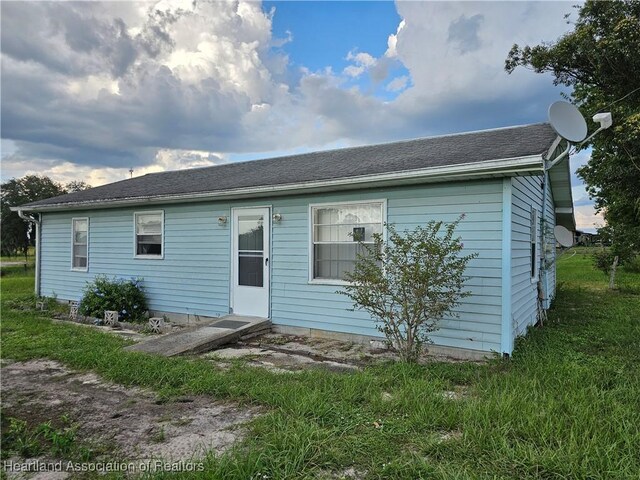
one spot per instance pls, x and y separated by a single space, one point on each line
603 259
16 437
410 283
633 265
124 296
62 440
27 441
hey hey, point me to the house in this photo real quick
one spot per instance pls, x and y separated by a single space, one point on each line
585 239
270 238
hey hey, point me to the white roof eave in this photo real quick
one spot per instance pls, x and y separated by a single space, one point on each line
560 183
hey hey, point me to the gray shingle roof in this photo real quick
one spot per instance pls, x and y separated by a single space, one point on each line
423 153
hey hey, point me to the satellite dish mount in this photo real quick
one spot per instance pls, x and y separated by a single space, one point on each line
570 125
567 121
563 236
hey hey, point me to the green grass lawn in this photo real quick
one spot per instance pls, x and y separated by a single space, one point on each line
567 405
20 258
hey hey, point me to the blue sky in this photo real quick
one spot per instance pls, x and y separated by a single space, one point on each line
323 35
321 31
92 89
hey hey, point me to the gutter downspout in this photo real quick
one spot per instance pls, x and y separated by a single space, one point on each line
35 221
544 284
506 337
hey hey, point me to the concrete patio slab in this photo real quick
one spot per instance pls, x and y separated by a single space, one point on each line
203 338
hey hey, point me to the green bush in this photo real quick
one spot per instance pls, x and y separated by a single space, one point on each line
603 260
124 296
633 265
409 282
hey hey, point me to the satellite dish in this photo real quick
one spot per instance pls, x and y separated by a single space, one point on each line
563 236
567 121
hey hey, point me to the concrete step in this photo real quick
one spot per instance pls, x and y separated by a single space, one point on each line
203 338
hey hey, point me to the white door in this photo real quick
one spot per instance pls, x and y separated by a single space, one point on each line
250 271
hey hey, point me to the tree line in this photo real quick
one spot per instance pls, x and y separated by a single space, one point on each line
16 234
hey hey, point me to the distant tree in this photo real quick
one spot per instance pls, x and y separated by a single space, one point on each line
76 186
14 237
600 60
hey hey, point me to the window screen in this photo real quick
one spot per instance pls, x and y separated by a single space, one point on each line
149 228
80 243
337 231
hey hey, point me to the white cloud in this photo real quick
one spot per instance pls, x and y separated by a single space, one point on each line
95 88
587 219
398 83
85 84
13 165
392 41
362 62
440 73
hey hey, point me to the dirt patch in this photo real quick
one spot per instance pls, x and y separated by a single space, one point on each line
131 424
291 353
278 361
459 392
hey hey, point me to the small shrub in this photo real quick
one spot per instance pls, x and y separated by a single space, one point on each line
603 259
124 296
410 283
633 265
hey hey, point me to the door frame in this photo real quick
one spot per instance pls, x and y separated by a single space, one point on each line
233 254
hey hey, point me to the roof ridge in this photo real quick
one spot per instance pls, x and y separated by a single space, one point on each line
343 149
338 164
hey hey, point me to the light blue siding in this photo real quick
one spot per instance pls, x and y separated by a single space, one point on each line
296 302
193 277
527 193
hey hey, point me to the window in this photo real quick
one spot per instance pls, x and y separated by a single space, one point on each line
534 243
250 250
80 244
336 231
149 234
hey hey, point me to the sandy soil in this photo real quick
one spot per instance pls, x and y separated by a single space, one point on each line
290 353
130 423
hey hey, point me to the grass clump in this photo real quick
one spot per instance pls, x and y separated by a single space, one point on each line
60 442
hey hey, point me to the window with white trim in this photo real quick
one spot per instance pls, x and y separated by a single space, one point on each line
149 234
534 243
337 231
80 244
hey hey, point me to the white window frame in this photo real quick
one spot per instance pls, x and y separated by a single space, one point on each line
326 281
73 242
135 234
535 233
